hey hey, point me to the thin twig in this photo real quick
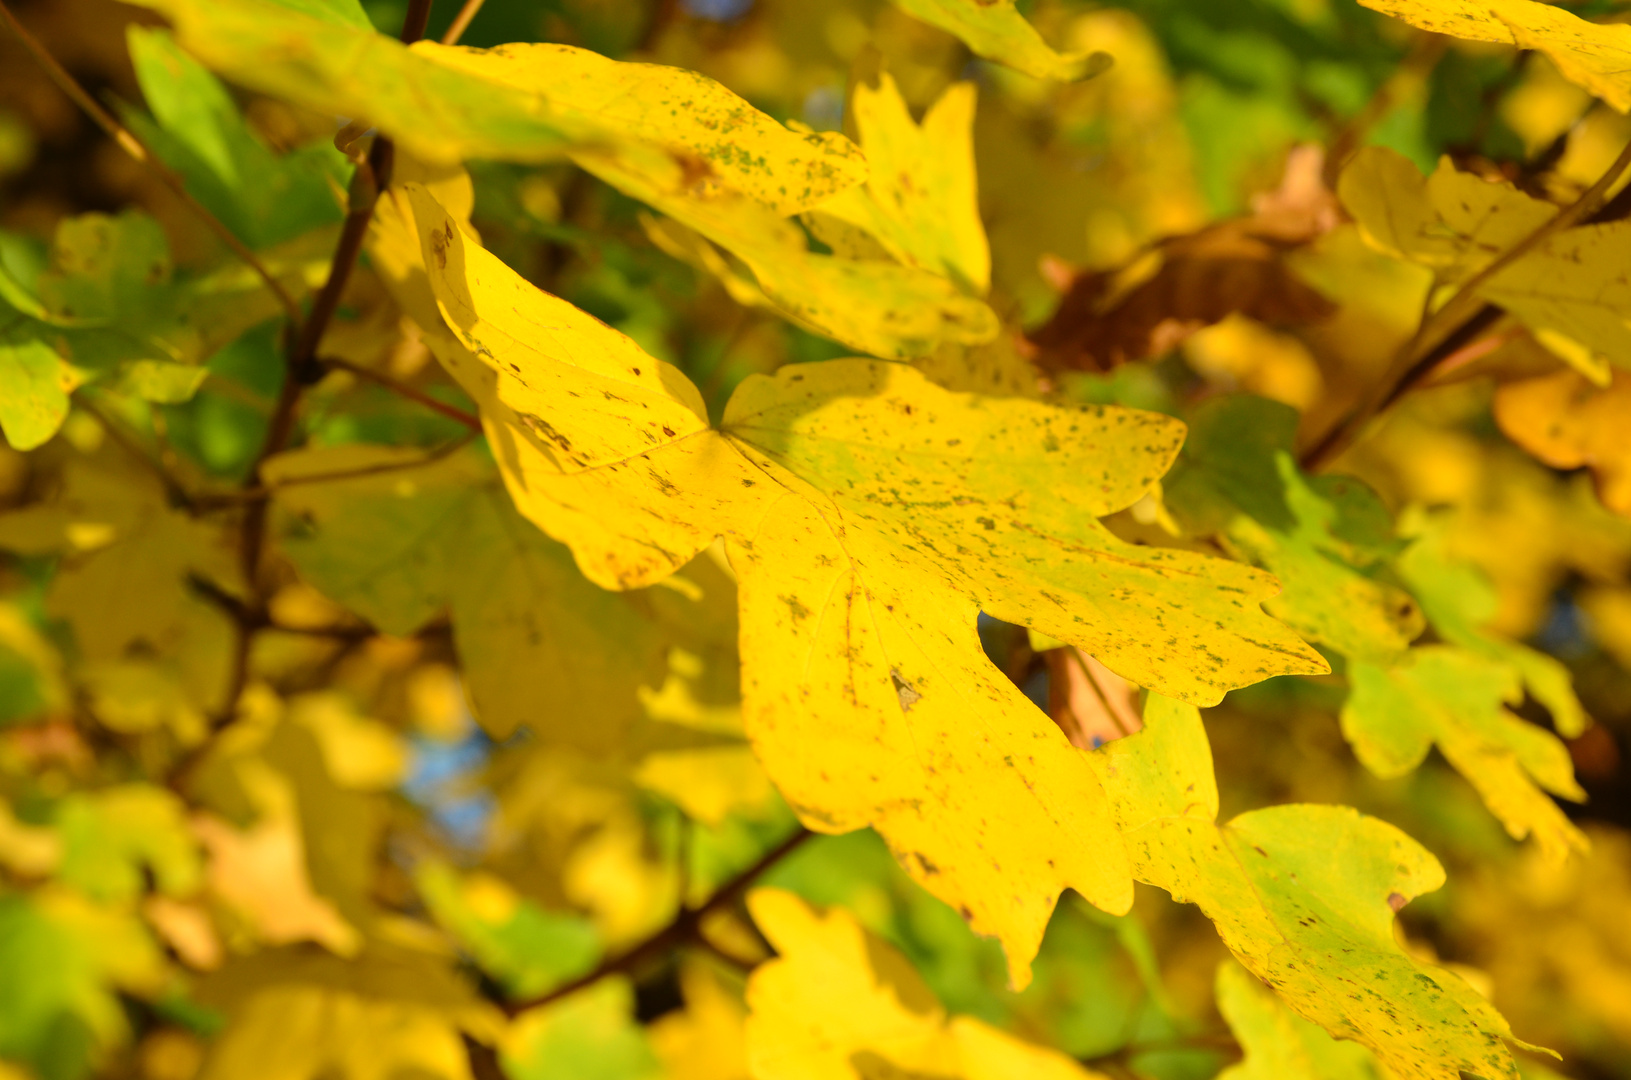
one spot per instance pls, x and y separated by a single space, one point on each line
263 492
137 149
1453 325
685 927
452 412
461 22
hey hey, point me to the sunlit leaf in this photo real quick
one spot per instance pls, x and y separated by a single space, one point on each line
839 1004
920 200
1594 55
996 30
1304 897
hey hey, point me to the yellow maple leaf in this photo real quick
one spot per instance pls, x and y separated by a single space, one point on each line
997 31
1304 897
871 516
1595 55
840 1004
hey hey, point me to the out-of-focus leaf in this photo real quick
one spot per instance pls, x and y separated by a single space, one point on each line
590 1035
111 838
1594 55
526 948
1304 897
920 200
389 1013
1324 538
1573 288
1444 695
1182 284
1280 1045
1567 423
997 31
839 1004
31 676
1459 602
707 1040
34 385
541 645
263 197
63 961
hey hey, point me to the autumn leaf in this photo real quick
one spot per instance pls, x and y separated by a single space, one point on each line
1568 423
1279 1044
997 31
839 1004
830 506
1178 286
1459 602
1444 695
1304 897
919 201
1595 55
1325 538
1572 290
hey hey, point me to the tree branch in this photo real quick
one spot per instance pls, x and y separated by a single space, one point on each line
1458 320
685 927
137 149
404 390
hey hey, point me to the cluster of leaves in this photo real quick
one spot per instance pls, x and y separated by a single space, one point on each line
669 554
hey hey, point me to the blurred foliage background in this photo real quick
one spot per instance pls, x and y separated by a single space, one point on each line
364 867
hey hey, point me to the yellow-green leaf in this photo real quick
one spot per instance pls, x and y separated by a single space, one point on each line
1304 897
1279 1044
1445 695
1459 602
33 389
920 201
997 31
1595 55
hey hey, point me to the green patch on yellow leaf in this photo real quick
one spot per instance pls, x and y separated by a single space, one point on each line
1304 897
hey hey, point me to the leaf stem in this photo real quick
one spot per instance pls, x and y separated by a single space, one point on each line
461 22
1461 318
137 149
686 926
452 412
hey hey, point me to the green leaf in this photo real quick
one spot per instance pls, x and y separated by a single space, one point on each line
1446 695
997 31
33 388
63 961
111 837
1458 600
590 1035
541 645
1304 897
528 949
1325 539
263 197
